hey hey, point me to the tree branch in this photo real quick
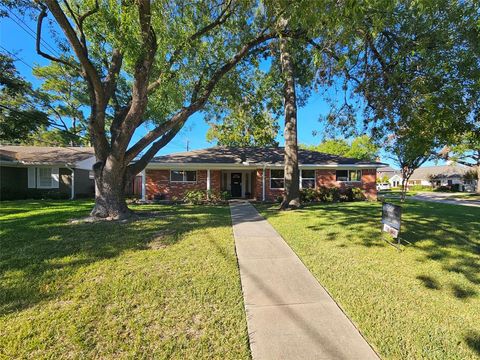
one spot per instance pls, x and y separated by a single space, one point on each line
221 19
182 115
139 165
143 66
89 69
38 40
112 75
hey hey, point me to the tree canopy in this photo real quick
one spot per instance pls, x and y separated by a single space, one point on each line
361 147
20 117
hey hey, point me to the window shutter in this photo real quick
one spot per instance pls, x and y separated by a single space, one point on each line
31 178
55 178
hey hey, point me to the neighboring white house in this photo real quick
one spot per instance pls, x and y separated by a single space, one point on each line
395 181
392 175
442 175
450 175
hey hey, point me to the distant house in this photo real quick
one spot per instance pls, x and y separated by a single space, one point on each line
251 172
35 171
393 175
451 175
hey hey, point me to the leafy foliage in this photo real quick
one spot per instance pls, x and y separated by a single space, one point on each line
19 116
331 194
361 147
244 127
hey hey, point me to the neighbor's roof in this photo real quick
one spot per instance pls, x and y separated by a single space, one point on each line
441 171
388 169
256 156
44 155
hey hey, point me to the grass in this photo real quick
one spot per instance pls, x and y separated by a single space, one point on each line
466 196
422 302
164 286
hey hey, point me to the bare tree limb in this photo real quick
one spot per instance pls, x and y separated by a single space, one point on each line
112 75
137 166
38 40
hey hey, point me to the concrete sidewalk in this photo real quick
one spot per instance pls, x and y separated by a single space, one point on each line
289 314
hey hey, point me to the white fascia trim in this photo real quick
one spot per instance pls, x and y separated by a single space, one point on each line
34 164
203 166
199 166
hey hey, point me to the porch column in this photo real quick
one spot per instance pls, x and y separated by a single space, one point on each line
143 186
208 183
263 184
243 183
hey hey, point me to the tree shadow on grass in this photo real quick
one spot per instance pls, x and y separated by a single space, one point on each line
447 234
473 341
44 247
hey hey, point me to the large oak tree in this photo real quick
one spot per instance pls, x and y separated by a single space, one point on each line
154 63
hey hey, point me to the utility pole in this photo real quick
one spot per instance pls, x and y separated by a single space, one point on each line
188 144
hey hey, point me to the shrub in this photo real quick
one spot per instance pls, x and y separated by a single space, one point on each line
332 194
225 195
419 187
308 195
443 189
195 197
358 194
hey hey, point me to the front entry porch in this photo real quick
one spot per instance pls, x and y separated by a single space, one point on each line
238 183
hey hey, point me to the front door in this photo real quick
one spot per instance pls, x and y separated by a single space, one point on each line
236 184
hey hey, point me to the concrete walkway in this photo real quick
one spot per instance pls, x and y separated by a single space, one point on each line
289 314
445 198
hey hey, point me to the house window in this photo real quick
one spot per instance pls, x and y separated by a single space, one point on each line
348 175
307 179
277 179
183 176
44 178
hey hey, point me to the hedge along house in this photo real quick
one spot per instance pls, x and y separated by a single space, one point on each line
251 173
36 171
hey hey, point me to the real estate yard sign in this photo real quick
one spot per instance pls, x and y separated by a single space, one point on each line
391 219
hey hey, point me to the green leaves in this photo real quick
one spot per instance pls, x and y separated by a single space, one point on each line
243 127
360 147
19 117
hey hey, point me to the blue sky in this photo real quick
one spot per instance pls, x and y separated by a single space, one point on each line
18 38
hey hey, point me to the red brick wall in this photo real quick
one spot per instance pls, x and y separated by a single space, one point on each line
158 182
369 183
258 185
324 177
270 194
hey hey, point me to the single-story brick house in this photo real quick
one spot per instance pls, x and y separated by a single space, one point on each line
38 171
253 173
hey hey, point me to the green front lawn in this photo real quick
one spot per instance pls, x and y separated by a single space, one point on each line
423 302
164 286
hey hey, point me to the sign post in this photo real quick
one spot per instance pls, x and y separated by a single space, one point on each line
391 219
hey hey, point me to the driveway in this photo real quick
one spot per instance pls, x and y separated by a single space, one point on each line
446 198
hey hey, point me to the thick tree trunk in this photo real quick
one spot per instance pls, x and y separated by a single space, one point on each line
291 198
478 179
110 181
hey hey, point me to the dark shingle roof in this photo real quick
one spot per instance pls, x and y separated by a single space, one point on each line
45 154
255 155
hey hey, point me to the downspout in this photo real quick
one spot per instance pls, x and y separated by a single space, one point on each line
72 194
263 182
